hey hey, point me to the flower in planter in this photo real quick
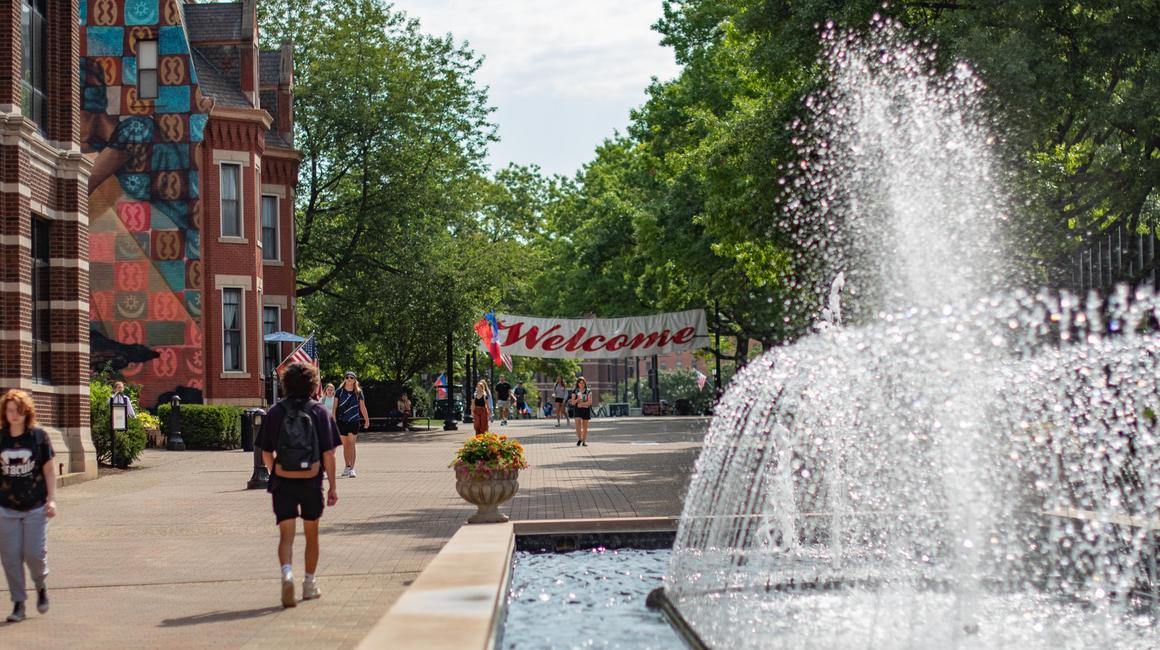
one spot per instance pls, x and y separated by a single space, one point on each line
488 453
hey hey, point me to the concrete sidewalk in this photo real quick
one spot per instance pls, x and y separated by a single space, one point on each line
177 554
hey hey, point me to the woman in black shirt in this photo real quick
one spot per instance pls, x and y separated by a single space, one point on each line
582 409
27 499
481 407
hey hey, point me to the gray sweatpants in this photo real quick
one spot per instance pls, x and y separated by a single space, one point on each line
23 540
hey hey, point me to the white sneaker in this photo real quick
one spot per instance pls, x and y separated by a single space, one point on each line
310 590
347 472
353 474
288 591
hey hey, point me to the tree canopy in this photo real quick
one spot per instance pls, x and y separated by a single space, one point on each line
405 235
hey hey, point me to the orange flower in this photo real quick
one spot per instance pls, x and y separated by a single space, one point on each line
503 437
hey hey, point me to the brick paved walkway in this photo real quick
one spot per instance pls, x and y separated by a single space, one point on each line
177 554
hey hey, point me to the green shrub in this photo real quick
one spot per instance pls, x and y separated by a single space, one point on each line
205 426
129 443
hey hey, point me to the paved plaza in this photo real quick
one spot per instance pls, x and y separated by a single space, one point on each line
178 554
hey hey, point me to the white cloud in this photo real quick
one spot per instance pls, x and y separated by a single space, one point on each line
562 74
577 48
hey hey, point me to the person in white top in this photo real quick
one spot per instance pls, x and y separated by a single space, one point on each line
119 397
328 399
560 393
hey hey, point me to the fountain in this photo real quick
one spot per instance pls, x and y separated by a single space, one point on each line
948 462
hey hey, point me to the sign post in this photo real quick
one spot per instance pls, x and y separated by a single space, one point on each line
119 416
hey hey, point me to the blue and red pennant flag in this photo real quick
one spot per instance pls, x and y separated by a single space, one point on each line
488 330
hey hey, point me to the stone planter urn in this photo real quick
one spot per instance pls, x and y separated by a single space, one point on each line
487 491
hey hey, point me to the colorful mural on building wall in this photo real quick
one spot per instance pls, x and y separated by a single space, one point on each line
145 222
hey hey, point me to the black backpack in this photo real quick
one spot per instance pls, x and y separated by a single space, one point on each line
298 454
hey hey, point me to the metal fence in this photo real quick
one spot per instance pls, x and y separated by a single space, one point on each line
1112 257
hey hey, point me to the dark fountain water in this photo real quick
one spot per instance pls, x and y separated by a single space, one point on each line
962 464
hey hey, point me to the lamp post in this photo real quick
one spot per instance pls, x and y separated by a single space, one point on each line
261 476
119 416
175 442
466 380
717 354
449 418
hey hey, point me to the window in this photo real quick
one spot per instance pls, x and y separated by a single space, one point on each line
269 227
41 318
147 69
232 330
231 200
34 61
269 326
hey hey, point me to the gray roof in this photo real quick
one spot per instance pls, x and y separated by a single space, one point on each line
214 84
275 139
269 67
219 21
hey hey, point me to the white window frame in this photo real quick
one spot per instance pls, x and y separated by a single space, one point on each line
277 257
241 329
142 69
277 327
241 236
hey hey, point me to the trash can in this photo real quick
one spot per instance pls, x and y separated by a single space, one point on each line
249 430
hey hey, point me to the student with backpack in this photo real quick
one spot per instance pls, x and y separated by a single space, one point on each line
297 439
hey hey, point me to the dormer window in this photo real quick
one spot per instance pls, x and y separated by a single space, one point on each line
147 69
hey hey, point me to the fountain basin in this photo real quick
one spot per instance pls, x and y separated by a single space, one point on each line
459 601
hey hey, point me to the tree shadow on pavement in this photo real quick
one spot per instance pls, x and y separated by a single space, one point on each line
219 617
436 525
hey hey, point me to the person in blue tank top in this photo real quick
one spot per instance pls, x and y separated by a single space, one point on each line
350 411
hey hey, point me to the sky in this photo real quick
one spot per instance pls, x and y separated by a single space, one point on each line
563 75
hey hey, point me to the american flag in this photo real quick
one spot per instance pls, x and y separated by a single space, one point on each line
305 353
701 378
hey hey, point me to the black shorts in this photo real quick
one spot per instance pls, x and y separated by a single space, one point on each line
559 400
295 498
583 413
348 427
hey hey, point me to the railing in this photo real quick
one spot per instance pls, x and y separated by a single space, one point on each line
1113 257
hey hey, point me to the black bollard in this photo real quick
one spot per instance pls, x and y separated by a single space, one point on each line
175 442
261 476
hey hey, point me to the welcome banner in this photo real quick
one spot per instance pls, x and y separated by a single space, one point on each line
602 338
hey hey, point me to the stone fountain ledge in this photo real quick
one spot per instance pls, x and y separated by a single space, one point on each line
459 601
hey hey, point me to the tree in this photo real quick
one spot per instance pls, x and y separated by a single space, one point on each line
393 130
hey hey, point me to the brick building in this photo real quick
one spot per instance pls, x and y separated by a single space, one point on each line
44 238
189 125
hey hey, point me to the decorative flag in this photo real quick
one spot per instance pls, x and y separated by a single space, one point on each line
701 379
488 330
441 386
305 353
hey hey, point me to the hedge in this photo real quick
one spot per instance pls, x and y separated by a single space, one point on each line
205 426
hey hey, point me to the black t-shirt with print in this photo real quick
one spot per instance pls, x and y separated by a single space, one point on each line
502 390
22 485
521 393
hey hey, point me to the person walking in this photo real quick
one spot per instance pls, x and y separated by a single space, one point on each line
503 396
582 410
328 398
521 395
27 500
560 393
350 410
480 407
297 440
